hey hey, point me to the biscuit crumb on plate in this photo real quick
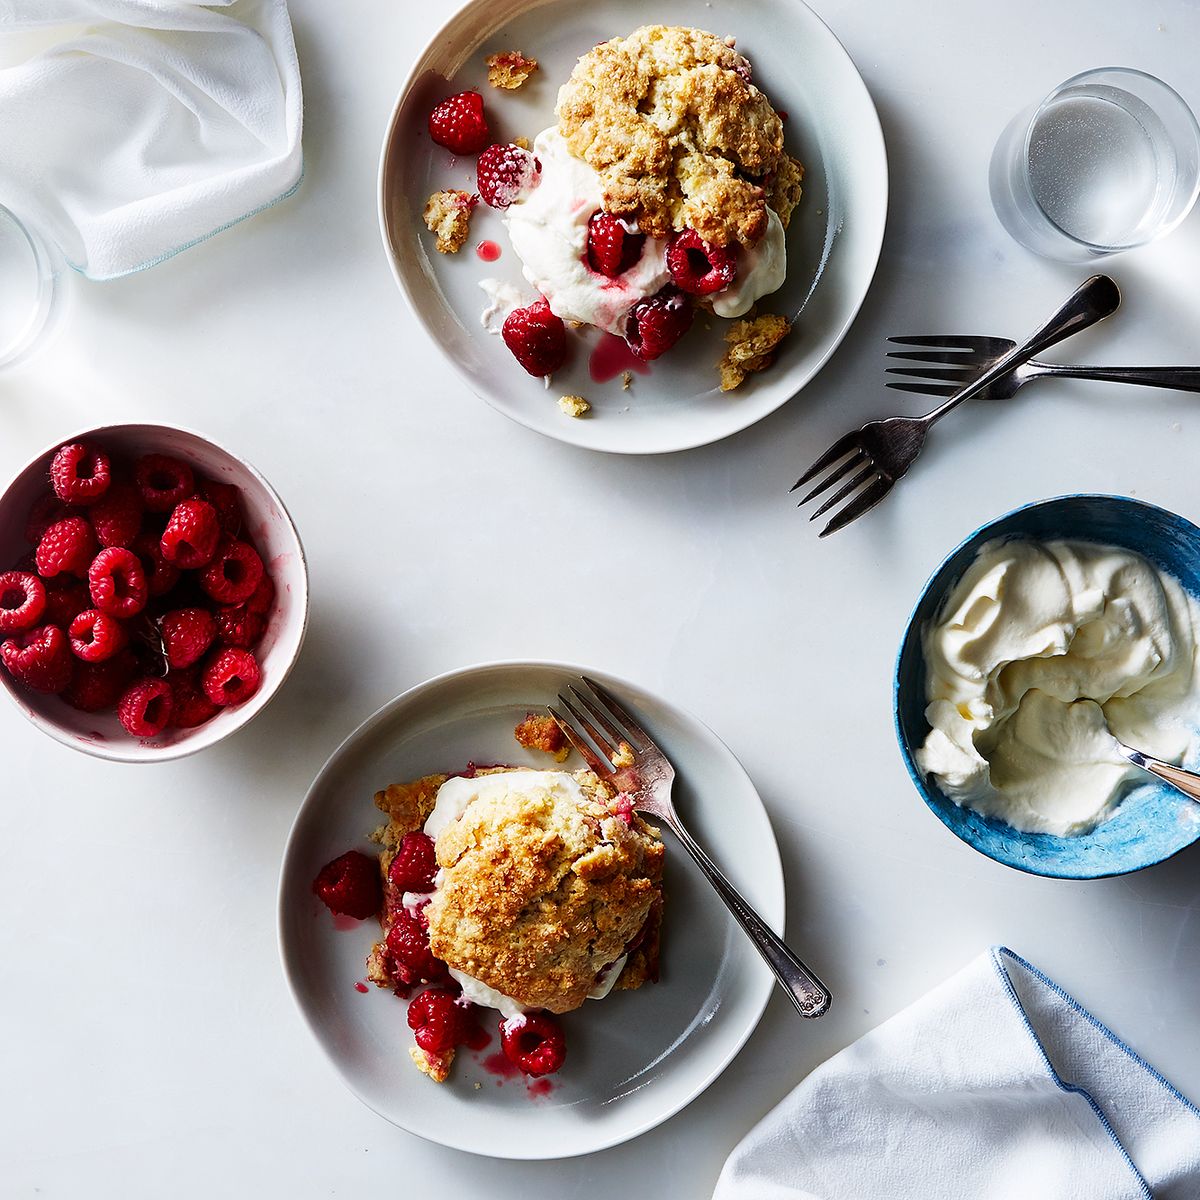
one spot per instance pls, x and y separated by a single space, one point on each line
626 380
436 1066
752 346
509 69
542 733
448 215
574 406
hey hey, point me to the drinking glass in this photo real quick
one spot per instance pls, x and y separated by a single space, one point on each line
27 288
1108 161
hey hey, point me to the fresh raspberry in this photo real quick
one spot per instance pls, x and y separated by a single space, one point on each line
191 536
80 473
118 582
96 636
117 517
163 481
98 685
234 574
231 677
611 247
145 708
698 267
189 705
227 500
68 545
187 633
161 577
350 885
408 946
536 337
47 509
503 172
263 598
66 598
22 601
657 323
238 626
39 658
415 864
440 1019
534 1042
458 124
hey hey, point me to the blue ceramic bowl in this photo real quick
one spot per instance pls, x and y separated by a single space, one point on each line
1153 821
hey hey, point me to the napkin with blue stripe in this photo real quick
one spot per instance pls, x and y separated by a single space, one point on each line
995 1086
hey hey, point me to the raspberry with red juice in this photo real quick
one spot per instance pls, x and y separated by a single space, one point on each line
459 123
350 885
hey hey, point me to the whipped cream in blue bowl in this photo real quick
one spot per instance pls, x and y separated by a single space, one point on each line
1041 633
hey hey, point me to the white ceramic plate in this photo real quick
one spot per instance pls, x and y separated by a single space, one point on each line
833 242
633 1059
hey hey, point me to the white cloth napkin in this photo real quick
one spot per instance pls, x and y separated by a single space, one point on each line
995 1086
159 125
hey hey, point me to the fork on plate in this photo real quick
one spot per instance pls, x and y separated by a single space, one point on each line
619 750
882 451
948 362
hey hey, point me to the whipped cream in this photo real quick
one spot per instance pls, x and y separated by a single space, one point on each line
1042 653
548 228
454 797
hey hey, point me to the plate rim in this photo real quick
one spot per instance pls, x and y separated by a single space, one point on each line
765 985
878 150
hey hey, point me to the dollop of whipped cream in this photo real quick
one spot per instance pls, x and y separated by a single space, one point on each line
1042 653
548 226
453 799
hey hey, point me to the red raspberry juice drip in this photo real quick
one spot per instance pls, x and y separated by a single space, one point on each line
611 356
488 251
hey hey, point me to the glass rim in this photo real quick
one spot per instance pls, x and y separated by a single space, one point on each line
24 341
1171 94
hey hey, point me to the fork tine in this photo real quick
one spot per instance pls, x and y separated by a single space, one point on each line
588 755
863 502
634 733
946 374
924 389
602 719
845 490
839 448
830 480
948 341
598 739
966 358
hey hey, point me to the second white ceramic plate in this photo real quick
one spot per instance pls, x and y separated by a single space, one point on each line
833 242
634 1058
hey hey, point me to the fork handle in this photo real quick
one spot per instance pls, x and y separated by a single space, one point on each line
809 995
1183 379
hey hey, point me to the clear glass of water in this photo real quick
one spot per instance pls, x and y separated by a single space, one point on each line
1108 161
27 288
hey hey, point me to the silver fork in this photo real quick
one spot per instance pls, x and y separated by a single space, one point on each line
884 450
599 723
952 361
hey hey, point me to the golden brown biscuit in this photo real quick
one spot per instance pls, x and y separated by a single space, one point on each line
448 216
752 345
509 69
542 887
679 135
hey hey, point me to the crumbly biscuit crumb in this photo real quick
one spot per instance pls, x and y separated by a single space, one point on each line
436 1066
509 69
752 345
523 142
624 756
542 733
626 380
448 216
574 406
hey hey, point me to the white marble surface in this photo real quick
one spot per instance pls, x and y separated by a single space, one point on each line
148 1042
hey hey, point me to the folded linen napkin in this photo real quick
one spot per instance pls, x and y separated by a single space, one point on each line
161 124
995 1086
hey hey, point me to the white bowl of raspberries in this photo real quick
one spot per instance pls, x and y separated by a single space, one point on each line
153 592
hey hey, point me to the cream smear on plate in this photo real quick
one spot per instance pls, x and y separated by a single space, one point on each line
1041 654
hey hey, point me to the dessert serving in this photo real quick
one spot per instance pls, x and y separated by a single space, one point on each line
664 188
524 891
1041 653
